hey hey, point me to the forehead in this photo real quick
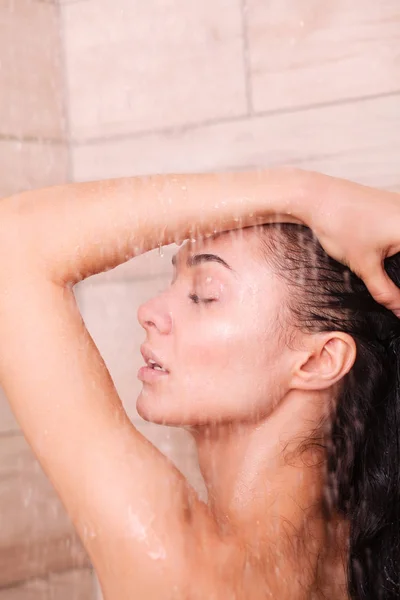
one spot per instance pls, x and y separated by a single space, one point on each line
236 247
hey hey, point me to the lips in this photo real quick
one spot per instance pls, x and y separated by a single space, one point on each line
148 355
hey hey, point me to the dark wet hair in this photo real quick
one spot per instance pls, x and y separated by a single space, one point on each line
363 439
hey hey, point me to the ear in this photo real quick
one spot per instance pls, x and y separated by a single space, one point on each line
328 358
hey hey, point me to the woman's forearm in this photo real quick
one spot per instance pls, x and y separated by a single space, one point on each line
81 229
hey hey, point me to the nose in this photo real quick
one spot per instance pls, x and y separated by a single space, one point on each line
155 314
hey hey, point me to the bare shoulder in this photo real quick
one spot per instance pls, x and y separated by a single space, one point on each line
202 565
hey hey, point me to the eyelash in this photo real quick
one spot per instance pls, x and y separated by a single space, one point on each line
197 300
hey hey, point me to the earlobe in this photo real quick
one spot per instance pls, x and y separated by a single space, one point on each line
329 357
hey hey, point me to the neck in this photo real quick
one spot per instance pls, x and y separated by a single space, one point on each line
255 474
252 466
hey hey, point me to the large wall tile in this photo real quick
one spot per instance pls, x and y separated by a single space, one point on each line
31 82
134 66
356 140
303 52
29 165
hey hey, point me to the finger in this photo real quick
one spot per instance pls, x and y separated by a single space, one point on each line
380 286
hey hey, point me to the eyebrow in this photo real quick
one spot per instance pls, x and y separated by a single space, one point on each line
197 259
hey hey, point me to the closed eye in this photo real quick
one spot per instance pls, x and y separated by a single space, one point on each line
195 298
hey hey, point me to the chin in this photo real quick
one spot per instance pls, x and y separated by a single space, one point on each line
160 415
151 411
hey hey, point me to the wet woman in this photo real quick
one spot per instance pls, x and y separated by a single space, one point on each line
273 354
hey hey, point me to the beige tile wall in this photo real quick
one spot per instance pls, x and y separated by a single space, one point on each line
33 124
31 79
358 140
140 66
29 164
305 52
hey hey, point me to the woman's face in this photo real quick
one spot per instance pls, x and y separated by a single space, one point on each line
217 331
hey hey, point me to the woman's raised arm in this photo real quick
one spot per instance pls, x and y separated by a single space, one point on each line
80 229
84 228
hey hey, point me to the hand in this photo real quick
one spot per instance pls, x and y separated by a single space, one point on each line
360 227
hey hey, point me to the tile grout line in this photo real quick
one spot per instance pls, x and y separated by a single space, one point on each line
11 433
8 137
59 2
246 56
181 129
45 577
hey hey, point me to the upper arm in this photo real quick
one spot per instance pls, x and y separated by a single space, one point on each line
131 507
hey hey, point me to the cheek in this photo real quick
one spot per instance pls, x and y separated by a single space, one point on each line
222 346
209 347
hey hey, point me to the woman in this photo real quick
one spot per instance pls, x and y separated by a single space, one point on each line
259 363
